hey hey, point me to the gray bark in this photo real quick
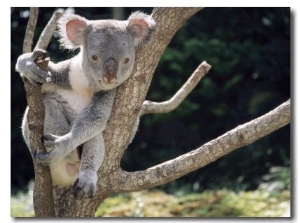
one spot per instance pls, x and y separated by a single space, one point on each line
150 107
42 196
118 13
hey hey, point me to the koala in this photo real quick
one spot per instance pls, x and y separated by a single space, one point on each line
78 93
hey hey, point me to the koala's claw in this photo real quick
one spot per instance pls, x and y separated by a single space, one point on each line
35 154
84 186
79 190
39 54
41 157
76 189
49 140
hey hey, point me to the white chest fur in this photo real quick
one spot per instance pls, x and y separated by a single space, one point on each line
80 95
75 100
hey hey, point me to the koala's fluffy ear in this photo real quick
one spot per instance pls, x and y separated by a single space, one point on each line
72 31
140 26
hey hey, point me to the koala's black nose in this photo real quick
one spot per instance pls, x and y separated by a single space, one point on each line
110 71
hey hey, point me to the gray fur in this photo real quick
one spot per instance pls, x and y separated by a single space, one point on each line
79 93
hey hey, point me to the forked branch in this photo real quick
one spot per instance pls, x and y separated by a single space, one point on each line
238 137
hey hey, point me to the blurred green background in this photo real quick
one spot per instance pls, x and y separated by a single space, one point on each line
249 50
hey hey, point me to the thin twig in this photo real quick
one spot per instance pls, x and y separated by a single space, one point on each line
34 11
48 31
150 107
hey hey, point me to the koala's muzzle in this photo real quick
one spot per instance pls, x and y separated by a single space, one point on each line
110 71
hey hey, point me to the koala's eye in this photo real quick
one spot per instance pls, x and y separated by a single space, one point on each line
126 60
94 57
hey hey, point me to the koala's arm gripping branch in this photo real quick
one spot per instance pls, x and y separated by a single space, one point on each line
150 107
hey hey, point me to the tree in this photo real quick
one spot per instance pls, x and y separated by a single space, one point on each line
130 104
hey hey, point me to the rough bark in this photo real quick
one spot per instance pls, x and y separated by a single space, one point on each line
129 99
42 195
28 39
131 94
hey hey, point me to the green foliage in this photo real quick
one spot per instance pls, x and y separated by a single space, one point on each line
21 204
138 204
277 179
221 203
157 203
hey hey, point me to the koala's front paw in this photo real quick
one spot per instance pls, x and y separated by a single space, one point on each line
33 67
41 58
57 147
45 157
85 184
61 143
52 155
37 156
50 141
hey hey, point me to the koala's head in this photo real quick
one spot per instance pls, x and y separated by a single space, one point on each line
107 46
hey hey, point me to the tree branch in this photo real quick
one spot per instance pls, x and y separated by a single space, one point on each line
48 31
28 39
42 195
209 152
168 106
131 94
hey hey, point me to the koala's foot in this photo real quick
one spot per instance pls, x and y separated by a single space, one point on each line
47 157
85 184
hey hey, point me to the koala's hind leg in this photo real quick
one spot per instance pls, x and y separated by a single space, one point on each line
25 129
56 122
91 160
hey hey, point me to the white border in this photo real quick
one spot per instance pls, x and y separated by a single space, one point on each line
5 81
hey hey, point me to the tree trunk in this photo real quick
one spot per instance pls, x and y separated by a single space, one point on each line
42 196
118 13
130 104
